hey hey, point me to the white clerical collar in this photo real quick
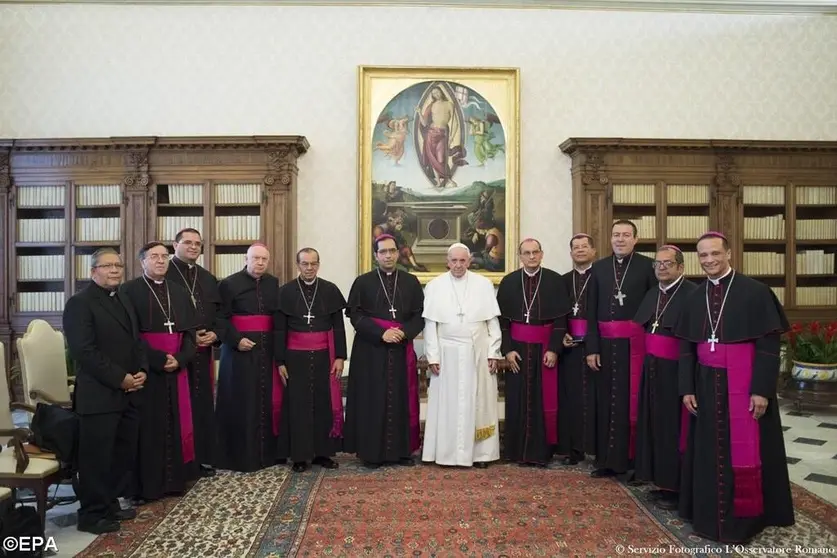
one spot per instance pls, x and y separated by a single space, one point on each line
583 271
622 259
187 264
160 282
531 273
666 288
309 283
717 281
455 278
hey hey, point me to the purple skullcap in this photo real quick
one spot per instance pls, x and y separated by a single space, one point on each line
670 247
385 237
712 234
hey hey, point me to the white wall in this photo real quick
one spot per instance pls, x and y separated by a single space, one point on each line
118 71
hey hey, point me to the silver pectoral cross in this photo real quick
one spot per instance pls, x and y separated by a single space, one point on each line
654 326
194 302
712 340
461 315
169 324
308 317
620 296
575 309
526 315
392 311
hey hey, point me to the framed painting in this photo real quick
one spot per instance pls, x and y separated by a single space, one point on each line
439 164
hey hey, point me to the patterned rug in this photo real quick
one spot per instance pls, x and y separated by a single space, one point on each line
502 511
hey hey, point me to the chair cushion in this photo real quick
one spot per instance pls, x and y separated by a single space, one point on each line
5 493
38 467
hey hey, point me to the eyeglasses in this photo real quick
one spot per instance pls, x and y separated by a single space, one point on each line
157 257
109 266
664 264
385 251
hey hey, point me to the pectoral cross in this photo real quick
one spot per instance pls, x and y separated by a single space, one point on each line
194 302
620 296
392 311
712 340
526 315
169 324
654 326
575 309
461 315
308 317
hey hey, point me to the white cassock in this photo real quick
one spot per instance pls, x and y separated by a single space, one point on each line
461 332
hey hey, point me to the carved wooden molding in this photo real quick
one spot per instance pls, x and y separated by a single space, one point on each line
727 177
572 145
282 169
5 176
138 178
593 171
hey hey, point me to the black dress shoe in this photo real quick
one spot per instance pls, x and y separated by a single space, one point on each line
481 465
100 527
371 465
667 504
406 462
281 461
207 471
570 460
299 466
325 462
136 502
602 473
126 514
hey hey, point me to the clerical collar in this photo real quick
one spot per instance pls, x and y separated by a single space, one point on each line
666 288
455 278
531 273
622 259
158 282
583 271
109 292
187 264
717 281
309 283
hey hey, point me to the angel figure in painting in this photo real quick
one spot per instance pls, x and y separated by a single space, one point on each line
396 134
439 141
480 128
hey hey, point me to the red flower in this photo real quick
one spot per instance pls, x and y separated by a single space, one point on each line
796 328
815 327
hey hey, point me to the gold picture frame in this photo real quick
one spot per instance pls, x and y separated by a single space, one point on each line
439 162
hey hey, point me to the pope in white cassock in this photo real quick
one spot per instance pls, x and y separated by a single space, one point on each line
462 345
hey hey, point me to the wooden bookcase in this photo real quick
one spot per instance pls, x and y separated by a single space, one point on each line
776 202
124 192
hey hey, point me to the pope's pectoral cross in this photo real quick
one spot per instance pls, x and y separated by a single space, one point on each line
169 324
575 309
654 326
712 341
620 296
309 317
392 311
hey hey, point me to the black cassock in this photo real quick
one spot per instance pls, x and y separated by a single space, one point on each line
250 414
618 340
725 502
530 422
165 440
661 417
204 295
576 382
314 397
382 402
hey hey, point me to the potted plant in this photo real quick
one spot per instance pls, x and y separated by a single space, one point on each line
812 352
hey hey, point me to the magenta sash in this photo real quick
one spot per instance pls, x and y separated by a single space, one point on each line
170 344
539 335
635 334
578 328
412 386
744 436
668 348
320 341
263 323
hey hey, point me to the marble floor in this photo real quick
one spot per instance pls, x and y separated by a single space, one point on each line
810 443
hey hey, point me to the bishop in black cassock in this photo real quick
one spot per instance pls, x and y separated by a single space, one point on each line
203 293
166 321
533 320
312 348
615 347
250 412
382 404
576 383
735 476
662 419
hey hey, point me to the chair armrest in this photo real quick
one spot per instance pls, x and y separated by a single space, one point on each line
37 394
21 434
21 457
71 380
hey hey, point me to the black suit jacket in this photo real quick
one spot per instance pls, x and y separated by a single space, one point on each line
105 345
